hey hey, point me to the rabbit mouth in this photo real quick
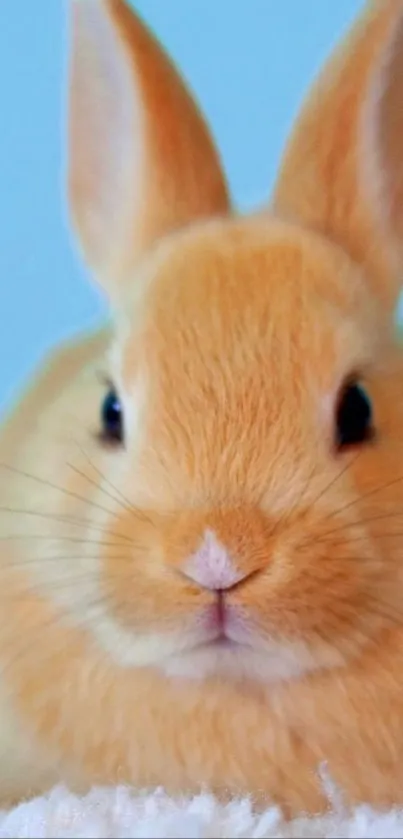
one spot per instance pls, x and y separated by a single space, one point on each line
225 625
222 642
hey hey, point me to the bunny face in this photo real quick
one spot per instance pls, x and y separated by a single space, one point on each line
251 531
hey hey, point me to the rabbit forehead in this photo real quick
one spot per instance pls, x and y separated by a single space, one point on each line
242 289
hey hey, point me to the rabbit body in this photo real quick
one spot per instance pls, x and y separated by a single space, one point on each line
202 504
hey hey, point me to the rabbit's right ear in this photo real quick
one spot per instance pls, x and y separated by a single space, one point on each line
141 161
342 173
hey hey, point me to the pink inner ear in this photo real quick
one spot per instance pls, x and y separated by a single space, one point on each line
104 133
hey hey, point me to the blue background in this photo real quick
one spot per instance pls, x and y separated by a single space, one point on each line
249 63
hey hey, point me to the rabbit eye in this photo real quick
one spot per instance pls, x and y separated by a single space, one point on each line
354 420
112 417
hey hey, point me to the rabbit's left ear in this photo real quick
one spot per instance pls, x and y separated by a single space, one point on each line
141 159
342 173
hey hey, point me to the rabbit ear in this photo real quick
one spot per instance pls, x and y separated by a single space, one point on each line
342 173
141 161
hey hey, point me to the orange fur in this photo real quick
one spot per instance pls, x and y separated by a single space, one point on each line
231 340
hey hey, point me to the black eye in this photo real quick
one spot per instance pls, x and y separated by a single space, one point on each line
354 417
112 418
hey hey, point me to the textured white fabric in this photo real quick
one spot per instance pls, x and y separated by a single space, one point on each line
122 813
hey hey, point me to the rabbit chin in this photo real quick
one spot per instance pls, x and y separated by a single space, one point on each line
186 655
274 663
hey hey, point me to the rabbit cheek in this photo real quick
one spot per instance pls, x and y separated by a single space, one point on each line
149 610
331 593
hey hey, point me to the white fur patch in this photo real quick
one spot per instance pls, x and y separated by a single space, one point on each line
267 661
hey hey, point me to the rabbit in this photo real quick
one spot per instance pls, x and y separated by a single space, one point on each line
201 557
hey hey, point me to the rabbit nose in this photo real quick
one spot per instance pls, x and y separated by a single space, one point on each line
212 567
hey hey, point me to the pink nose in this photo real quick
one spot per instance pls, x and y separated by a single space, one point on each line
211 566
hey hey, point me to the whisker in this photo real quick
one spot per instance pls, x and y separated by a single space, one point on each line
364 497
334 480
359 523
94 484
18 537
67 582
64 519
288 514
128 505
43 560
64 491
365 538
323 492
36 591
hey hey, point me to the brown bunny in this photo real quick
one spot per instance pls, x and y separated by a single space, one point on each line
202 586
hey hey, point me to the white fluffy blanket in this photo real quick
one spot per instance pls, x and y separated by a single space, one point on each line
121 813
